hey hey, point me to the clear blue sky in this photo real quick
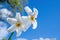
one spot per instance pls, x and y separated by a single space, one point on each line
48 19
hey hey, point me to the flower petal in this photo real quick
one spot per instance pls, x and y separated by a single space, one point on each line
11 20
12 28
26 23
19 31
35 13
28 10
18 16
25 18
34 24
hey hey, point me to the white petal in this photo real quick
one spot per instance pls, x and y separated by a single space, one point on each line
19 31
34 24
26 18
18 16
12 28
11 20
26 23
28 10
35 13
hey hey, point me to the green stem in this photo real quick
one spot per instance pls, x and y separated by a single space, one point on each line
11 36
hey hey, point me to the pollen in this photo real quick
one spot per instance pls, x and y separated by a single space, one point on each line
18 24
32 18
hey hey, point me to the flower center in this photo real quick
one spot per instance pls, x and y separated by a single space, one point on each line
18 24
32 18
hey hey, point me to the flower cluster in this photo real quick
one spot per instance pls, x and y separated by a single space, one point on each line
22 23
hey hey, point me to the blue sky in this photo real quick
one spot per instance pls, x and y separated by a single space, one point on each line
48 19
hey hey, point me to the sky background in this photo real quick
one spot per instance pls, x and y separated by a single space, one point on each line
48 19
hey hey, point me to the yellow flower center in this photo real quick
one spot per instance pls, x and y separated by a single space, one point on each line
32 18
18 24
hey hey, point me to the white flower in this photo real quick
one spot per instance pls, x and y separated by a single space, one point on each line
32 16
17 24
3 30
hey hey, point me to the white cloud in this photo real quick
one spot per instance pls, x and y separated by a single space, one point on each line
47 38
36 39
3 30
5 13
21 39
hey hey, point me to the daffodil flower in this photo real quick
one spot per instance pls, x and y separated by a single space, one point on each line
17 24
32 16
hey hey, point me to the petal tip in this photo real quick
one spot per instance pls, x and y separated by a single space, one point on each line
35 12
27 9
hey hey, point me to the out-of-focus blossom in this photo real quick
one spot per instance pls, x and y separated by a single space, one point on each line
3 30
4 13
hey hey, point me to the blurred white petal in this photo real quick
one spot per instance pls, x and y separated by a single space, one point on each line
26 22
19 32
11 20
18 16
35 13
28 10
3 30
34 24
5 13
26 18
27 25
12 28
